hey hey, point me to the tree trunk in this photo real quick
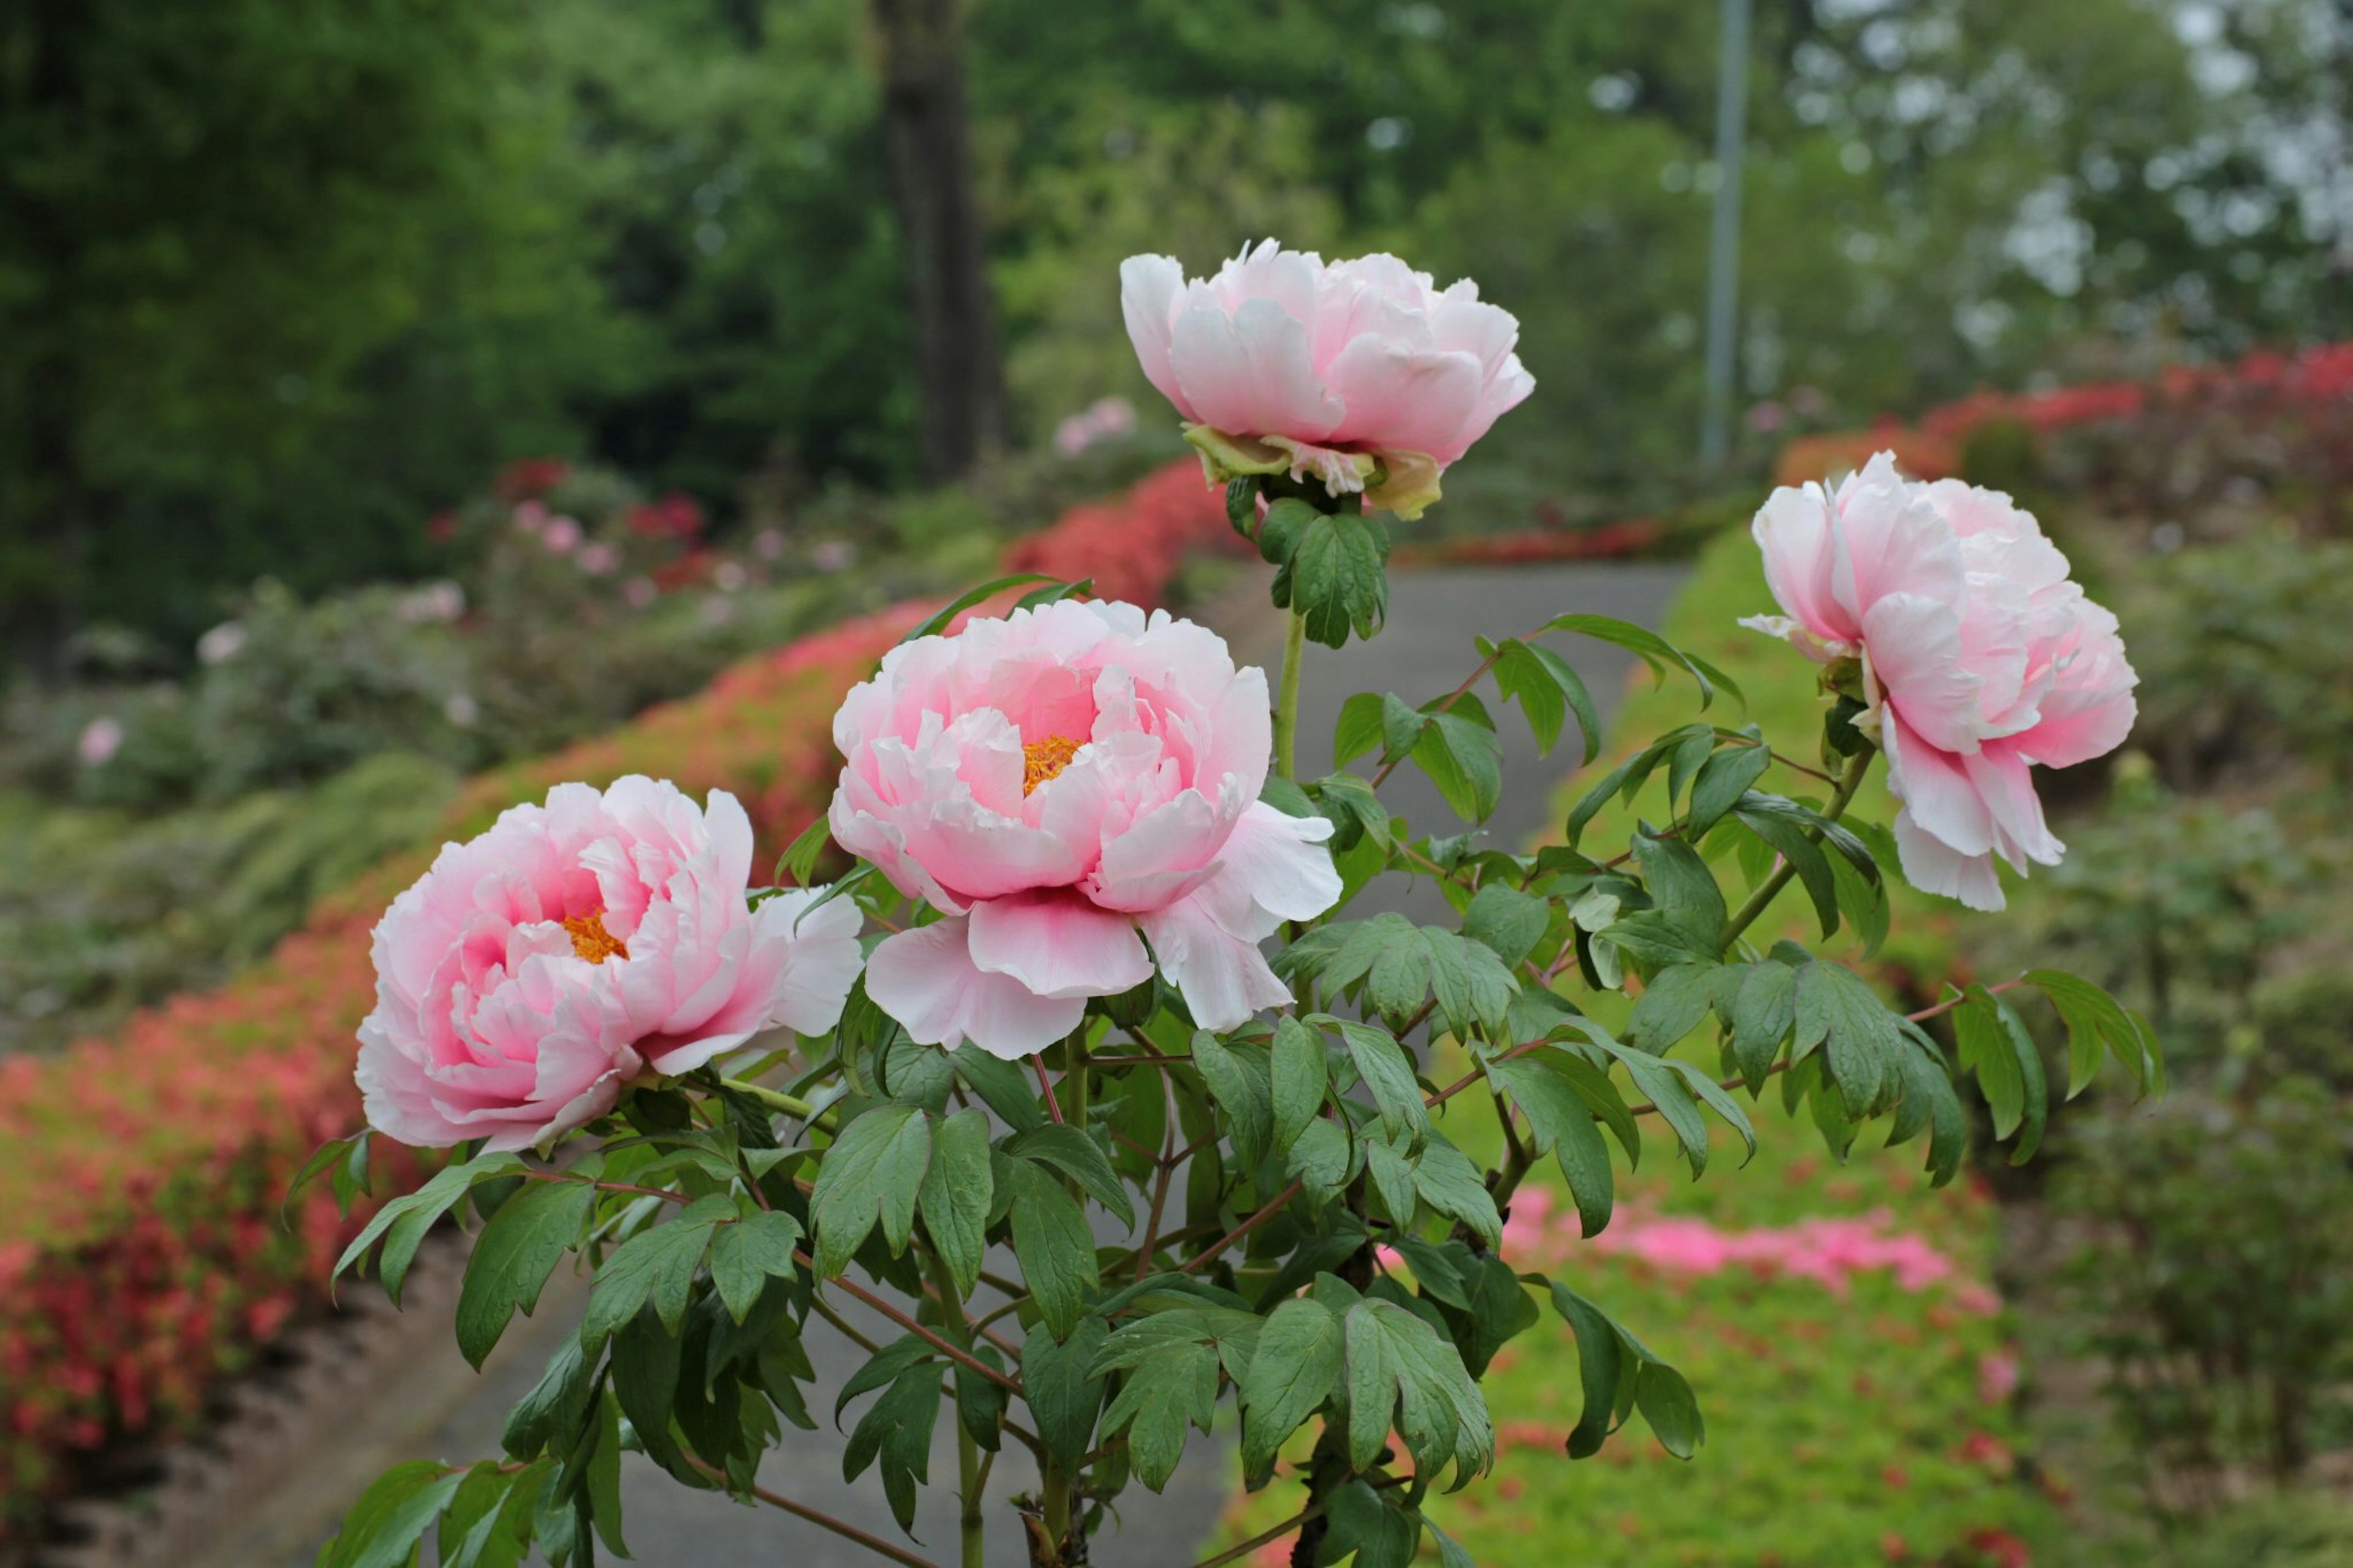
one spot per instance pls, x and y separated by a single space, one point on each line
928 142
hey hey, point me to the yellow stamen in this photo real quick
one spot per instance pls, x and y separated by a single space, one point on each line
1041 760
591 940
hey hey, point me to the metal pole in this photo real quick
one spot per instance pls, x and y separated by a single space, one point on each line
1723 239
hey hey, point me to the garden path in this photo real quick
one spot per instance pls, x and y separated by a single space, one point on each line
438 1407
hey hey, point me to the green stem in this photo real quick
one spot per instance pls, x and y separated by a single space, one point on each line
774 1099
1743 916
969 1484
1286 701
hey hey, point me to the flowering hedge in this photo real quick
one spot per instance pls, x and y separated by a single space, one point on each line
2264 383
142 1253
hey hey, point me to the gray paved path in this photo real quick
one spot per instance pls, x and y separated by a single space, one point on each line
441 1409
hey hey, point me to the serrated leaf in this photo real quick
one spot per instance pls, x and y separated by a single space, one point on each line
746 1255
1079 1157
1464 760
1301 1080
1295 1369
516 1252
1059 1384
1336 577
656 1265
385 1526
871 1175
1763 1008
1837 1006
1674 1003
1507 921
1561 1124
1683 888
1382 1063
1056 1249
957 1191
1241 1093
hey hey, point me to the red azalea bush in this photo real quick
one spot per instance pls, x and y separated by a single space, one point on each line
142 1253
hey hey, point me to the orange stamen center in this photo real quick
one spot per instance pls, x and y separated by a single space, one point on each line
591 940
1041 760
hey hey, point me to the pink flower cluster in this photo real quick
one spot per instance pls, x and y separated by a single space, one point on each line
1980 658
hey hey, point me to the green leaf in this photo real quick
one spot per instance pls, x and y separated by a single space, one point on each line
1245 1095
1172 1361
548 1418
1723 779
799 859
1599 1368
1391 1174
1354 811
957 1191
1077 1157
1653 649
1366 721
895 1435
1683 887
1837 1006
1548 691
1382 1063
1335 575
1295 1370
747 1255
402 1222
1666 1401
1507 921
1059 1382
1001 1084
937 623
1056 1249
1402 1376
1301 1080
1448 1182
1462 756
1560 1123
656 1265
518 1249
1054 594
2093 1020
873 1173
1764 1006
1788 838
385 1526
1672 1007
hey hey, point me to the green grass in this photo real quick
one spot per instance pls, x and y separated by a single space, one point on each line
1841 1429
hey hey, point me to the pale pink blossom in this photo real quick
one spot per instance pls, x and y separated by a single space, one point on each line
598 558
1065 785
99 740
537 968
561 535
1979 657
1102 420
530 516
1327 367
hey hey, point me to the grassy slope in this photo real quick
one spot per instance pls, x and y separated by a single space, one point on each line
1841 1429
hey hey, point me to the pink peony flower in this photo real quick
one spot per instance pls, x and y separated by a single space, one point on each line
1052 782
1979 656
99 740
1280 361
561 534
537 968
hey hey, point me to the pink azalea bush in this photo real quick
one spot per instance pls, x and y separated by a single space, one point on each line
1064 784
537 969
1979 657
1282 361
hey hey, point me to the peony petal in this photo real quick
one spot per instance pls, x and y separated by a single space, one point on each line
1223 977
1273 868
1250 373
1935 867
1149 287
1912 646
924 978
1058 945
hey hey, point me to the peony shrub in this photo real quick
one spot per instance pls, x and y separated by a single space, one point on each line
147 1246
1107 945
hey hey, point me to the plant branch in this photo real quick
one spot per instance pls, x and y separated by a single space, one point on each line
842 1528
1286 701
961 1357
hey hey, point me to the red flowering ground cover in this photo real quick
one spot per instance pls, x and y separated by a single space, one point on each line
142 1253
2261 384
